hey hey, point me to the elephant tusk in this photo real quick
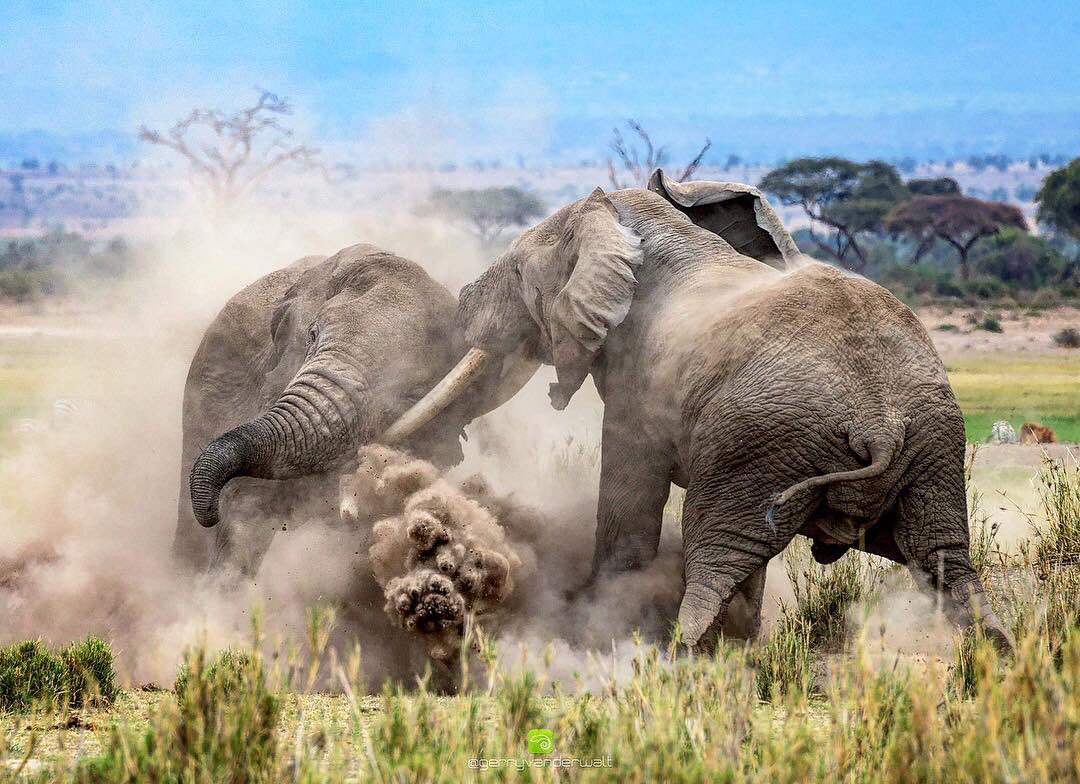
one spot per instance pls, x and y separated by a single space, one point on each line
440 396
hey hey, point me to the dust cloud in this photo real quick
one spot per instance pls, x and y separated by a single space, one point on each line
88 506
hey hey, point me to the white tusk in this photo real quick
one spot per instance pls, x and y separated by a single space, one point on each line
441 395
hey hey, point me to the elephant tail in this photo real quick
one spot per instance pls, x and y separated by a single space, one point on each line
881 448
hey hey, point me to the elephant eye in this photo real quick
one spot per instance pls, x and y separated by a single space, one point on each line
313 334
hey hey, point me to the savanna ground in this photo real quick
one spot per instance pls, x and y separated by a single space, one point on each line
839 690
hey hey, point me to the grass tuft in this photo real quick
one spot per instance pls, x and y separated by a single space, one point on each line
219 726
80 675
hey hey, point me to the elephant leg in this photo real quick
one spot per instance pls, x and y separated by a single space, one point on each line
932 533
242 545
252 513
743 620
635 480
728 544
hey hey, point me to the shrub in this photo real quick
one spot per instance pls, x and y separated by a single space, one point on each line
825 594
219 727
91 679
785 660
1017 258
981 287
990 322
81 674
30 673
1067 338
1058 538
227 670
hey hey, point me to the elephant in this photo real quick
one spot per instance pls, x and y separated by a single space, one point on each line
786 396
296 372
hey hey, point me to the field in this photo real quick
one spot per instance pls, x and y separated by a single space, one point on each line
845 686
1018 387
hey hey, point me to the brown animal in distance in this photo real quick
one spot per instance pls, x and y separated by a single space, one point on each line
1034 433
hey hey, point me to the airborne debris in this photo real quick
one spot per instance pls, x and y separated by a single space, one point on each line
440 555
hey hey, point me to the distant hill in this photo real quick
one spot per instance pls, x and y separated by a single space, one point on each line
939 134
72 148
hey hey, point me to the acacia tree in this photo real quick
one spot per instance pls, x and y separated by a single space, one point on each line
637 165
486 211
1059 200
959 220
934 186
850 198
231 153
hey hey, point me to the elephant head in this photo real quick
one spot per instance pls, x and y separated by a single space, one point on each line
564 284
356 341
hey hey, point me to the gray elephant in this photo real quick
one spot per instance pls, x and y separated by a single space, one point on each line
800 402
295 373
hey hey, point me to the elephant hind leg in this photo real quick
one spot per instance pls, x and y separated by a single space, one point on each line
728 545
743 619
931 532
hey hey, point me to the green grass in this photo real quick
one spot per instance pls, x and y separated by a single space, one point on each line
80 674
1017 387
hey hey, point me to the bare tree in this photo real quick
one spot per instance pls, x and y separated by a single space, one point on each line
231 153
639 166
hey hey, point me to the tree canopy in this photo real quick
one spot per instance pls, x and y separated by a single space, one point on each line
486 211
1059 200
959 220
934 186
851 198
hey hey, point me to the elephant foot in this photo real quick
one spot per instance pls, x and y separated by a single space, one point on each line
975 612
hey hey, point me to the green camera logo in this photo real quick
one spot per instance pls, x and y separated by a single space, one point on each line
541 741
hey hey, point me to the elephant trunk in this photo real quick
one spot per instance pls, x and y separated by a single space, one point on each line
308 428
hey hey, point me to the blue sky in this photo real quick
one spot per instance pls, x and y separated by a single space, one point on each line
538 75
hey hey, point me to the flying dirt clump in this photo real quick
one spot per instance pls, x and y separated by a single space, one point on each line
440 555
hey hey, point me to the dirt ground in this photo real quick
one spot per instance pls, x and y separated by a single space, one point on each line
1023 329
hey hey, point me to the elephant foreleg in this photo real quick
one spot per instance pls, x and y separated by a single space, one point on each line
635 480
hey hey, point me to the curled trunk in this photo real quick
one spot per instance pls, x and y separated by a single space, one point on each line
309 427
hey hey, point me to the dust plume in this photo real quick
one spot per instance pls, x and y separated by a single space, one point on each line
452 554
88 505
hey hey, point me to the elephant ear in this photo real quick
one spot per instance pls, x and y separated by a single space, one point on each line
738 213
597 294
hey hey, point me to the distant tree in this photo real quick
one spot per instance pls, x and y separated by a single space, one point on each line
231 153
1059 200
850 198
960 221
934 186
637 165
1018 258
486 211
